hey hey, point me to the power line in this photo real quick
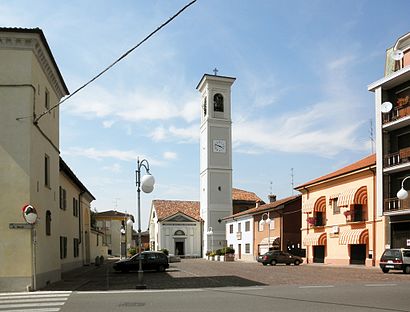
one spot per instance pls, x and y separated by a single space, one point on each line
117 61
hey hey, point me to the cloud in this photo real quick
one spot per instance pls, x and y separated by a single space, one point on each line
188 134
159 134
108 123
115 168
170 155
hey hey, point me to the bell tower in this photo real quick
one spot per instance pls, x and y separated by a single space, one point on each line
215 158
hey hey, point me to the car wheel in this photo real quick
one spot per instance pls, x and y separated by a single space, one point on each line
273 262
407 269
297 262
161 268
385 270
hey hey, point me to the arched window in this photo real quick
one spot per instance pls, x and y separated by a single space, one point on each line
179 233
218 103
204 106
48 223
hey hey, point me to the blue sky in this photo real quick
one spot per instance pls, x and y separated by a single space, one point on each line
300 99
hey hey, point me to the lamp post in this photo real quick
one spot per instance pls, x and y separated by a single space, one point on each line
403 194
211 232
146 184
266 221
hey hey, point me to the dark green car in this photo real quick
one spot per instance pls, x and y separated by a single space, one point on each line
151 260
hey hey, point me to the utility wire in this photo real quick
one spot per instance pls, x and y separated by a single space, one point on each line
117 61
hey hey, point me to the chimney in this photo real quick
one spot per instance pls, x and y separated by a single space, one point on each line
272 198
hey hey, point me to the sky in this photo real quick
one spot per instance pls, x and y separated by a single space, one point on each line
300 105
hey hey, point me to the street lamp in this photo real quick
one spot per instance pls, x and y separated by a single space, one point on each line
211 232
267 221
127 235
146 183
403 194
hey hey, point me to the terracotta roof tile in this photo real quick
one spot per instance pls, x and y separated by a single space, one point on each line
167 208
238 194
363 163
265 207
113 213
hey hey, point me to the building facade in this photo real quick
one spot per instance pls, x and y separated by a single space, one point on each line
279 230
117 234
340 224
33 172
392 105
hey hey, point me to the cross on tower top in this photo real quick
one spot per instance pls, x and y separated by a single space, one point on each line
215 71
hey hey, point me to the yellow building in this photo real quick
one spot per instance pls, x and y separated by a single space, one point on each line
30 84
340 224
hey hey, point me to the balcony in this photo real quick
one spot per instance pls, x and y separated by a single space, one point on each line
357 215
400 158
398 117
394 204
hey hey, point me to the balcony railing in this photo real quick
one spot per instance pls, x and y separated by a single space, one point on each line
395 204
400 157
398 112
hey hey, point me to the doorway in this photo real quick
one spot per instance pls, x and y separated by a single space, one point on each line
358 254
318 254
239 251
179 248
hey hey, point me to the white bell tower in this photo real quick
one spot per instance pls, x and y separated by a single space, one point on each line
215 158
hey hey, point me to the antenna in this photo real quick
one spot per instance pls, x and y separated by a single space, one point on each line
116 203
291 179
372 135
397 55
386 107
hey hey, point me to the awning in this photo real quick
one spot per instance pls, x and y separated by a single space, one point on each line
271 240
346 198
314 239
307 206
352 237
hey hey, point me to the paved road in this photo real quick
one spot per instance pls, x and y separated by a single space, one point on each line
199 273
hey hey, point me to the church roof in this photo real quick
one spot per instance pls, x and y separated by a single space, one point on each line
241 195
167 208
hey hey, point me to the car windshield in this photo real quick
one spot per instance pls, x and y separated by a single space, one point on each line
392 253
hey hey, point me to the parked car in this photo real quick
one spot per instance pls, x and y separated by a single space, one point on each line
395 259
275 256
151 260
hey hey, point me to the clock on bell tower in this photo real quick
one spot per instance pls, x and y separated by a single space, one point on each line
215 158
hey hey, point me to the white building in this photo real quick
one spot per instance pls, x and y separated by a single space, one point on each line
239 232
176 226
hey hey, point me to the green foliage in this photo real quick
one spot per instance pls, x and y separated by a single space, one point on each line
165 251
229 250
218 252
132 251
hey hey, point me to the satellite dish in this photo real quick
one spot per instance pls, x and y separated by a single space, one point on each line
386 107
397 55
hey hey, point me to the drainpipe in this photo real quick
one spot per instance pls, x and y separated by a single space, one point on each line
373 171
80 228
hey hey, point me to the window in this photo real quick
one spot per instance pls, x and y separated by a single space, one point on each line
247 248
75 207
179 233
47 170
48 223
63 199
218 103
239 227
358 213
247 226
76 243
108 224
335 207
47 99
231 228
63 247
319 220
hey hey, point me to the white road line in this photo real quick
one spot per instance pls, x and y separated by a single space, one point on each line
29 305
379 285
50 293
36 310
140 291
32 300
317 286
33 296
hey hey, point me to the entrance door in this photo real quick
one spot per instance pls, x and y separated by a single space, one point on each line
319 254
239 251
358 254
179 248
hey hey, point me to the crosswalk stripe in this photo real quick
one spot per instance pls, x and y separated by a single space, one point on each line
50 293
28 305
33 296
37 310
33 300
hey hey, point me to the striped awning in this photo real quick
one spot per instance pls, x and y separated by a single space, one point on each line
271 240
352 237
346 198
307 205
314 239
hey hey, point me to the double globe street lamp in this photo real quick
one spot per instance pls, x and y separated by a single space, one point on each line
146 184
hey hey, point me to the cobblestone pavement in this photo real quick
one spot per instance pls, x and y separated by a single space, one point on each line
200 273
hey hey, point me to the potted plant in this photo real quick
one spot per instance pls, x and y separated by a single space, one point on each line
208 255
218 254
212 255
229 254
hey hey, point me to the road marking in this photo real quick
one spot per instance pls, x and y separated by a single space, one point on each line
33 301
139 291
379 285
317 286
29 305
37 310
38 293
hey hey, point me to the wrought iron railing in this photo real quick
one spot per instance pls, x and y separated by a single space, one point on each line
396 113
395 204
397 158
